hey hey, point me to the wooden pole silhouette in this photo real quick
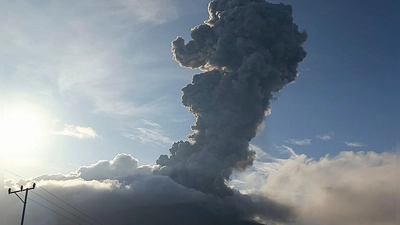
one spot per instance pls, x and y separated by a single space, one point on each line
23 201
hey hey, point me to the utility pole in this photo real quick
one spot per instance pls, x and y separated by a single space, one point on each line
26 198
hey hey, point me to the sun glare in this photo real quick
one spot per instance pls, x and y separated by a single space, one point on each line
21 130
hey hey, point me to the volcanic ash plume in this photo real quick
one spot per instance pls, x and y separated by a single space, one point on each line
248 49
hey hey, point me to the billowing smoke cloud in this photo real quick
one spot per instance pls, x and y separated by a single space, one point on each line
352 188
249 49
363 191
121 192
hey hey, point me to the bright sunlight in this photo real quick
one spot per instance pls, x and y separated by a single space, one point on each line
21 129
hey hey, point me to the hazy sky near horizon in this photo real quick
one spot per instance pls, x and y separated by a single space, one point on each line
84 81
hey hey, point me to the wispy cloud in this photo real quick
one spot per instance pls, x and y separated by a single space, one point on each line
300 141
77 132
152 134
155 11
148 122
290 150
285 151
266 163
82 55
325 137
354 144
179 120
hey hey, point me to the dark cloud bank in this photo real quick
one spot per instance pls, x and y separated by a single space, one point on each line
248 49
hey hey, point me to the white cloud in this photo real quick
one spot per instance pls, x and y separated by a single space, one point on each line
77 51
77 132
325 137
288 149
155 11
138 196
179 120
121 165
301 141
263 157
352 188
94 198
148 122
354 144
152 134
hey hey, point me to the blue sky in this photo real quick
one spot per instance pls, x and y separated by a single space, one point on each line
84 81
346 84
108 67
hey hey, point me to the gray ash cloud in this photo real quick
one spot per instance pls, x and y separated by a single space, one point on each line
248 49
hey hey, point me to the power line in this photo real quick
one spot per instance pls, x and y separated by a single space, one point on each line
23 201
61 201
63 209
13 173
55 212
71 205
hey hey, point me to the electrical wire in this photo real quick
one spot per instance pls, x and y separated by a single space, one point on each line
54 211
13 173
71 206
59 200
62 208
